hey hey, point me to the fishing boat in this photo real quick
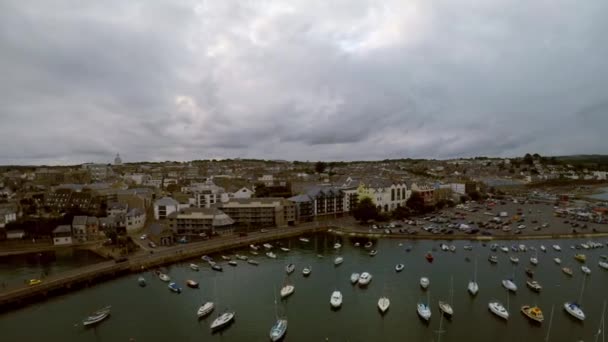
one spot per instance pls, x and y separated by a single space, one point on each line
603 265
232 263
498 309
493 259
337 245
557 248
271 255
574 310
585 269
567 270
373 252
192 284
174 288
399 267
424 283
534 313
364 279
336 299
267 246
580 257
509 285
194 267
254 247
557 260
423 311
534 261
514 259
97 316
226 258
306 271
529 273
141 281
368 244
205 310
217 267
354 278
429 257
252 262
287 290
534 285
305 240
278 330
338 260
285 249
222 321
164 277
290 268
383 304
241 257
543 248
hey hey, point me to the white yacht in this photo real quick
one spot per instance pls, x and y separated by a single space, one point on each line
194 267
399 267
290 268
446 308
504 249
498 309
557 248
557 260
306 271
267 246
287 291
423 311
278 330
222 320
254 247
271 255
354 278
164 277
473 288
585 269
365 279
603 265
509 285
336 299
305 240
205 309
514 259
338 260
543 248
285 249
383 304
337 245
534 261
424 282
574 310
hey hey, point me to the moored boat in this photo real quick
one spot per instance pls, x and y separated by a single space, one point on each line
205 309
383 304
424 282
373 252
423 311
603 265
194 267
498 309
305 240
338 260
306 271
429 257
585 269
254 247
141 281
534 261
192 284
290 268
97 316
267 246
222 321
271 255
399 267
557 248
574 310
543 248
337 245
534 285
252 262
529 273
557 260
354 278
580 257
241 257
287 290
514 259
278 330
164 277
174 288
226 258
534 313
493 259
567 270
336 299
446 309
217 267
232 263
285 249
364 279
473 288
509 285
368 244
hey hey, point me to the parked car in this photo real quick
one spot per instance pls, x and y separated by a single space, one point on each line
143 237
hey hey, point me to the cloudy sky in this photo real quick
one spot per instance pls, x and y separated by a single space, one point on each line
301 80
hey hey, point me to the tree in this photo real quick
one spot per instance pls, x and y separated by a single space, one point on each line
401 213
528 159
416 203
365 210
320 167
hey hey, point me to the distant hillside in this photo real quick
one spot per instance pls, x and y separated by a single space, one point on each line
589 161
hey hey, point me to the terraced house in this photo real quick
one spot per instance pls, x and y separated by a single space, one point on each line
319 202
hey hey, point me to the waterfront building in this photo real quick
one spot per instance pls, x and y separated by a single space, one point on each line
165 206
318 202
386 194
135 219
194 223
260 212
62 235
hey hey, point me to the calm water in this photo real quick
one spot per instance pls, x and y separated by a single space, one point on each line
155 314
16 269
601 196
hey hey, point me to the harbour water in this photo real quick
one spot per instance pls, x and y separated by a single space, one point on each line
602 195
153 313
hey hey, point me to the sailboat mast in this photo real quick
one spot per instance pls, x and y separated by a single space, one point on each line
451 290
600 330
580 297
550 322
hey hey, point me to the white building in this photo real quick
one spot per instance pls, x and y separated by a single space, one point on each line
243 192
7 215
600 175
387 195
207 194
135 219
165 206
62 235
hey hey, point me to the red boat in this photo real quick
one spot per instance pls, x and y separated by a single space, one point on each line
429 257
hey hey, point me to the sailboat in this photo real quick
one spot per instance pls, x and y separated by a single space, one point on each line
287 290
205 309
498 309
336 299
279 328
223 320
383 304
424 310
446 307
473 286
574 308
97 316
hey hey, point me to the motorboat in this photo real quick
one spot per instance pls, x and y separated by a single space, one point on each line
222 321
543 248
429 257
514 259
522 248
473 288
534 285
337 245
557 248
271 255
534 261
534 313
514 248
205 309
467 247
141 281
287 290
446 308
207 258
529 273
267 246
580 257
252 262
498 309
574 310
444 247
357 244
217 267
383 304
192 284
290 268
364 279
423 311
603 265
567 270
425 282
493 259
97 316
368 244
305 240
557 260
306 271
254 247
373 252
254 253
493 247
226 258
452 248
174 288
509 285
338 260
354 278
278 330
164 277
504 249
285 249
585 269
241 257
399 267
336 299
232 263
194 267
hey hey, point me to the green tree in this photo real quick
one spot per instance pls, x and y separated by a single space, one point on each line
528 159
401 213
320 166
416 203
365 210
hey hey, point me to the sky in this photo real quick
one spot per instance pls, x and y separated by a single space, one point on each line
300 80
